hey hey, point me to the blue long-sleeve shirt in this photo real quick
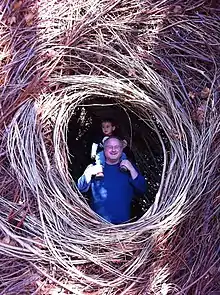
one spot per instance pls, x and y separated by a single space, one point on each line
112 195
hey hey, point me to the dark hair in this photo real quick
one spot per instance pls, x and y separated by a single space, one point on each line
109 120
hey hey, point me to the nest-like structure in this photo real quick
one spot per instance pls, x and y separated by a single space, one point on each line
157 62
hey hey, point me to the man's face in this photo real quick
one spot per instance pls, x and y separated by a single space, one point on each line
113 150
107 128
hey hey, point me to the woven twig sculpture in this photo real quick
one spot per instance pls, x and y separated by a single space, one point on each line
156 59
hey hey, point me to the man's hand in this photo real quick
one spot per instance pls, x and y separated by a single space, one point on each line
127 164
130 168
92 170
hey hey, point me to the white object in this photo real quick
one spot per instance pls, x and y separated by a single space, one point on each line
94 150
92 170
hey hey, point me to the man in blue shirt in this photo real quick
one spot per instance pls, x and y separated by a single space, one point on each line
112 195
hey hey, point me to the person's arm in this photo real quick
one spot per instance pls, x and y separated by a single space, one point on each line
84 181
82 184
139 183
137 180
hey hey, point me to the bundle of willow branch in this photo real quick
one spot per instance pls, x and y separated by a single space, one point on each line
156 59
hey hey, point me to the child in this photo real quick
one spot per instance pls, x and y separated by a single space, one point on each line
97 153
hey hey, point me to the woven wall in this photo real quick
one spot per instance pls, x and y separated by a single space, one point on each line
158 63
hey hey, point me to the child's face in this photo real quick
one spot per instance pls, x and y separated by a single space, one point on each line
107 128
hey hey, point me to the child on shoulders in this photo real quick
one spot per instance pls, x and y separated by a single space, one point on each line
97 154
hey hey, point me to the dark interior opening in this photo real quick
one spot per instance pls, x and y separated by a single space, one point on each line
143 141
